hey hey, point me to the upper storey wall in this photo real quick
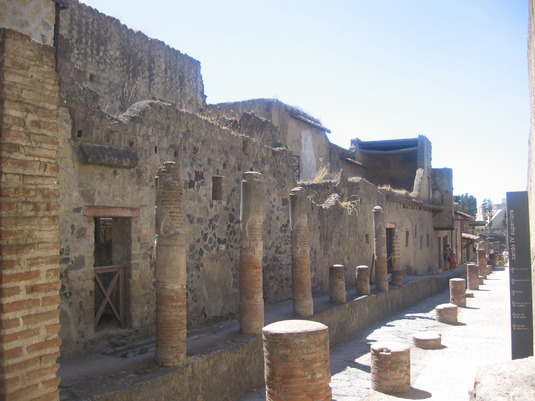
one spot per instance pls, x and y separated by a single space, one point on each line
124 66
396 168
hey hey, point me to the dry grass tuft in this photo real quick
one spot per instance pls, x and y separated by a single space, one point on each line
393 191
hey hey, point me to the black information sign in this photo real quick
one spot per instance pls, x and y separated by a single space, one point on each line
520 275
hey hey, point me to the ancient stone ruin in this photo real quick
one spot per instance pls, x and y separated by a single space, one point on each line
132 208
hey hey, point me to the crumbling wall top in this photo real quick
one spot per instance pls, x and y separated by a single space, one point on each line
124 66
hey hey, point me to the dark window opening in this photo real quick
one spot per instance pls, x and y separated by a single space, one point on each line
390 241
103 241
217 188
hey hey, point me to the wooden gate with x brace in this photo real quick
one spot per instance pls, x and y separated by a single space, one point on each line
116 283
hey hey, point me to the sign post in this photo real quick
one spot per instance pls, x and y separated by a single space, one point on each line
520 275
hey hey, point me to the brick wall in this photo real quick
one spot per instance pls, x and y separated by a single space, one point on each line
29 268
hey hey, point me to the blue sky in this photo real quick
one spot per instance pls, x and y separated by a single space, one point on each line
453 70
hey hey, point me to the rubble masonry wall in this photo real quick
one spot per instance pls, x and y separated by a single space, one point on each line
158 132
124 66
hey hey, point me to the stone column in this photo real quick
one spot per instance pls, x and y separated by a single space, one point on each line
482 262
458 291
381 269
252 221
337 284
363 280
472 276
301 282
391 367
297 361
170 273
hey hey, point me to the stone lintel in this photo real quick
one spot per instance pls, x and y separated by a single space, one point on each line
111 211
109 156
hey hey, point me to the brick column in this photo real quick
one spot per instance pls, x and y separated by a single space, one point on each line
252 221
446 313
29 224
337 284
458 291
170 273
363 280
482 262
391 367
397 277
472 276
428 340
297 361
301 283
381 268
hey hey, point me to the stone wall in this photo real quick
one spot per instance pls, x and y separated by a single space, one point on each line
235 370
123 66
442 184
108 163
341 221
29 274
347 320
341 230
156 132
341 227
302 134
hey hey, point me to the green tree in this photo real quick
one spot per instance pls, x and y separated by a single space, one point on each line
468 203
487 212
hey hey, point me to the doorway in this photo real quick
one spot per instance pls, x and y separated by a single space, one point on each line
112 256
390 237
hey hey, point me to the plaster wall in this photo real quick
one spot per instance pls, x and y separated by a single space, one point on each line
414 238
29 17
424 163
304 140
349 168
442 183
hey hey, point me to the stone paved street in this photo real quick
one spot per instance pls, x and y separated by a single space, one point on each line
480 338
